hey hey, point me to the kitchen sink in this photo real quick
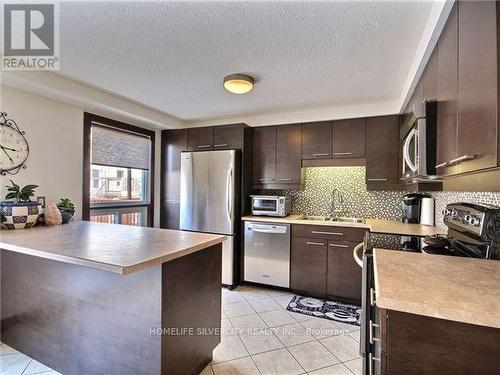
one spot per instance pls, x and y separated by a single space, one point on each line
315 218
337 219
349 219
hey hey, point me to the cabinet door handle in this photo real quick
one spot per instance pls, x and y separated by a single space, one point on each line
343 153
315 243
376 179
221 145
285 179
371 334
324 154
266 179
204 146
461 159
445 164
330 233
337 245
371 358
372 297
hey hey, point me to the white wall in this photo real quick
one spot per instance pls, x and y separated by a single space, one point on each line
54 131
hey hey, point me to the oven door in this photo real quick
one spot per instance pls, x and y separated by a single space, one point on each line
265 206
369 345
410 155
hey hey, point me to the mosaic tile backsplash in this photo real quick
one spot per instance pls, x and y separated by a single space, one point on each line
316 197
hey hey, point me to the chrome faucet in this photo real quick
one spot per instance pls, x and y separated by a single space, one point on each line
337 201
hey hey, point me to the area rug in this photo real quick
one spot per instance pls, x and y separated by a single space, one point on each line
332 310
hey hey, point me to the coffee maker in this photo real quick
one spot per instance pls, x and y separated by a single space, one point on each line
411 207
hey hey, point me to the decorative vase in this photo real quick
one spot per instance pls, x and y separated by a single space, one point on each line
67 215
52 215
19 215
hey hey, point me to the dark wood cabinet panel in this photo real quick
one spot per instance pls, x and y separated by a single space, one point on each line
173 143
335 233
382 151
264 155
200 139
429 78
344 274
317 140
477 85
349 138
308 265
288 154
447 94
170 214
228 137
422 345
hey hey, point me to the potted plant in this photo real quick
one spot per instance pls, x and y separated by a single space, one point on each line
21 212
67 208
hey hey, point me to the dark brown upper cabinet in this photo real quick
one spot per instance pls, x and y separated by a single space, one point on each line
200 139
382 152
288 154
317 140
277 156
430 77
228 136
477 136
349 138
264 155
447 95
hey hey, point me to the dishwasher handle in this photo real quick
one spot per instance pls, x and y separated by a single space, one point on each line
268 228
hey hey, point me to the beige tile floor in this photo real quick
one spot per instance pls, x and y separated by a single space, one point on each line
259 337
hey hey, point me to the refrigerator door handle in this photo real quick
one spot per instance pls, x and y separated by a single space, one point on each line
229 194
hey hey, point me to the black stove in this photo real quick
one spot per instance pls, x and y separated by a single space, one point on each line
473 231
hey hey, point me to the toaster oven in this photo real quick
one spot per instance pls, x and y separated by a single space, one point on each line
271 205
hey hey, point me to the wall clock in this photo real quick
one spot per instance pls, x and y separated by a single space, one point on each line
14 148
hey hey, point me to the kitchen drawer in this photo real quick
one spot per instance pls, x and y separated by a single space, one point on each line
326 232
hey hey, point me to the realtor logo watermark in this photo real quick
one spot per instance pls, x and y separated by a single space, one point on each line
30 36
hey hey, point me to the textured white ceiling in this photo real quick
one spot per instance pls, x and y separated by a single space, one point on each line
172 56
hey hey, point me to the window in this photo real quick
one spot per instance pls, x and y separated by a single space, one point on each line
119 178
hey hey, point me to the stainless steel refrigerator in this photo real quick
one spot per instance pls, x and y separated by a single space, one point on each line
209 199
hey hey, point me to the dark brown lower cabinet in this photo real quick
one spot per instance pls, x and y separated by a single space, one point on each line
344 274
322 262
415 345
308 265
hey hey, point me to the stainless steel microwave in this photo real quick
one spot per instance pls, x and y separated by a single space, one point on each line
271 205
418 142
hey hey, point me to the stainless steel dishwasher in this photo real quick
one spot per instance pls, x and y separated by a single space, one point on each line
267 253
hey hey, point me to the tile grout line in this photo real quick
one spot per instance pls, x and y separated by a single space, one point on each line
296 360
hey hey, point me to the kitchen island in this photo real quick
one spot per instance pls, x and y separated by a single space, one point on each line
91 298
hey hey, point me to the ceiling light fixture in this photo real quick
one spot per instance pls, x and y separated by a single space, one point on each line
238 83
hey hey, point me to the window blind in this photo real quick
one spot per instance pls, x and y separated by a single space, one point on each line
120 148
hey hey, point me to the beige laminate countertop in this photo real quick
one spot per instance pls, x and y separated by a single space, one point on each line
453 288
374 225
115 248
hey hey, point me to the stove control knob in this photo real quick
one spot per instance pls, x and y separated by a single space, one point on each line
475 221
446 212
467 218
